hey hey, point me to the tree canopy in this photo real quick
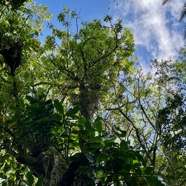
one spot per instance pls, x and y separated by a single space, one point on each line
78 109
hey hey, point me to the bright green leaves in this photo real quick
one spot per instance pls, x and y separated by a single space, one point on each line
13 26
49 43
30 178
18 32
90 60
33 122
11 172
89 66
66 134
66 16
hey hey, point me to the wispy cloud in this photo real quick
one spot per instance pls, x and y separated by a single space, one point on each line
155 27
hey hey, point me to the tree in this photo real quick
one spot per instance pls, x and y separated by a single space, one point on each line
172 119
90 59
77 101
12 4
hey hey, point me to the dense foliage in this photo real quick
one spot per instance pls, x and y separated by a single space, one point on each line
78 109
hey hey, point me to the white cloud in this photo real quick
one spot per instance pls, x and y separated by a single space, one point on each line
154 26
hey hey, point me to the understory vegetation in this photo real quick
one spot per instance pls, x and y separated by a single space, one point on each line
78 109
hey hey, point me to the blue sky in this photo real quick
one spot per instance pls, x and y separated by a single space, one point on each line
157 31
88 10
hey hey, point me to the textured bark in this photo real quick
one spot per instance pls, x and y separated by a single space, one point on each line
55 167
50 165
88 101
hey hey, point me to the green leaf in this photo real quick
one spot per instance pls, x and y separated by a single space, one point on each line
149 170
134 182
103 157
96 139
120 133
72 111
99 174
40 181
124 146
6 168
154 181
31 99
138 170
88 126
21 103
59 107
81 121
110 142
123 133
98 125
84 169
30 178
